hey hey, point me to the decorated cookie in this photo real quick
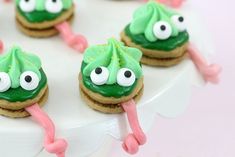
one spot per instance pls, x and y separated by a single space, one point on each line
161 34
111 81
45 18
23 90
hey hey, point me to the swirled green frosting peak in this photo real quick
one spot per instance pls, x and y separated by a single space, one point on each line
147 15
16 61
114 56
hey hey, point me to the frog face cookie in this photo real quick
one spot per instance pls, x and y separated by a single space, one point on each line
38 18
22 83
23 90
159 32
111 74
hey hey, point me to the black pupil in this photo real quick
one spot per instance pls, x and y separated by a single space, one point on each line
27 0
181 19
127 74
163 27
98 70
54 1
28 78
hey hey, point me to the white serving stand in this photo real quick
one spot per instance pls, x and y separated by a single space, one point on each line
167 90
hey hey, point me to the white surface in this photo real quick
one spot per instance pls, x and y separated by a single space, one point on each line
167 90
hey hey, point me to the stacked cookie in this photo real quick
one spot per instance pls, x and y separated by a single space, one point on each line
39 18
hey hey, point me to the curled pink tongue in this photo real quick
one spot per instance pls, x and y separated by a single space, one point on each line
58 146
133 141
172 3
76 41
1 46
176 3
210 72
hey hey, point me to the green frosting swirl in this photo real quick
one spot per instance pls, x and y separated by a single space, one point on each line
146 16
114 56
16 61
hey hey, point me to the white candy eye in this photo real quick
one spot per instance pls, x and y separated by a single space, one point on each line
29 80
179 22
27 5
100 75
162 30
125 77
54 6
5 82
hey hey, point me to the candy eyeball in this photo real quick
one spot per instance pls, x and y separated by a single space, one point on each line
5 82
29 80
162 30
125 77
179 22
54 6
99 75
27 5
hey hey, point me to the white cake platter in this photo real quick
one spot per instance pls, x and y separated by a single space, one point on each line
167 90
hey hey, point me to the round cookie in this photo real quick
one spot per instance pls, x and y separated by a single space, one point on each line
159 33
114 57
37 21
23 83
109 104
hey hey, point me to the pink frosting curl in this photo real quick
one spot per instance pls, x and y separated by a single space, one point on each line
133 140
76 41
1 47
210 72
172 3
58 146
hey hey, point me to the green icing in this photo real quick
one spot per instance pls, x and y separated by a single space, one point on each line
146 16
114 56
16 61
39 16
113 90
165 45
40 4
19 94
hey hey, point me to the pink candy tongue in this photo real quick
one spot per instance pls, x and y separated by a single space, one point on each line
137 138
211 72
57 147
78 42
172 3
1 46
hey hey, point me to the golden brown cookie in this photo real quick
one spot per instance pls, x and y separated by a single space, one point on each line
43 29
157 57
21 105
108 104
21 113
165 62
107 108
